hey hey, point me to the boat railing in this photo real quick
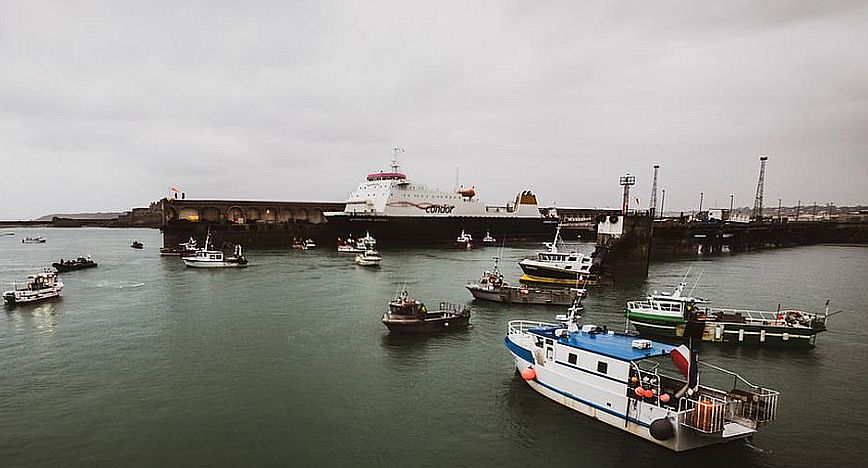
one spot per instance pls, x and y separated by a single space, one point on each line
705 413
758 317
522 326
752 405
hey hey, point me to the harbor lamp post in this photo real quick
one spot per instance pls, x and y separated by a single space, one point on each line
731 198
700 202
779 210
662 200
627 181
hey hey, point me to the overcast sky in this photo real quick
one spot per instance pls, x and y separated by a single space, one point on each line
105 105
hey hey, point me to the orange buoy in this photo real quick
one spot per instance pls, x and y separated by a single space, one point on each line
639 391
649 393
664 398
528 374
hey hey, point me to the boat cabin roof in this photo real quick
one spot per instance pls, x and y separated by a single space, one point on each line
610 344
405 306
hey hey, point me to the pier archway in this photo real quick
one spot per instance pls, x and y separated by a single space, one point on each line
190 214
253 215
299 214
315 216
270 215
284 216
235 215
210 214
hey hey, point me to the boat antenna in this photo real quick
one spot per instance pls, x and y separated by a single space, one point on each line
697 282
395 152
457 168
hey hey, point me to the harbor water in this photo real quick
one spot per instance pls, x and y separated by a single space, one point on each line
144 362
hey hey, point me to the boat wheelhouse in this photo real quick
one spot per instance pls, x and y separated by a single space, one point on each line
555 266
665 316
41 286
617 379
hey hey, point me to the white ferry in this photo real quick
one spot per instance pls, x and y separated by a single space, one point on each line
617 379
397 210
38 287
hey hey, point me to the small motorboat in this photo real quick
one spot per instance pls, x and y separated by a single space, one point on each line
407 315
309 244
8 233
464 241
297 244
349 245
79 263
488 240
39 287
137 245
205 258
184 249
371 258
33 240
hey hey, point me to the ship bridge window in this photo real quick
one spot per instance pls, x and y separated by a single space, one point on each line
572 358
539 342
602 367
572 259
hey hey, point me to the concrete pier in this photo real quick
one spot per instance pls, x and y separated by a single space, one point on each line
251 223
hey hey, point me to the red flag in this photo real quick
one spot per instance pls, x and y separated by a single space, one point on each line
175 189
681 359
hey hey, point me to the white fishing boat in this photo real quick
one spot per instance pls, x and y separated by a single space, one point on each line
350 245
555 266
309 244
33 240
620 380
206 258
488 240
38 287
464 240
369 258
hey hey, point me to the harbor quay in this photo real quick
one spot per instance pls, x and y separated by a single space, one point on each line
254 224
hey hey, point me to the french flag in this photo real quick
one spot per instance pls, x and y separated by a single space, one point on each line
685 359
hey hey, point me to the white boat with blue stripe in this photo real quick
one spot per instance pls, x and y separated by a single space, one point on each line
617 379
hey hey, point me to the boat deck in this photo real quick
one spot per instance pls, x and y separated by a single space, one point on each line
611 344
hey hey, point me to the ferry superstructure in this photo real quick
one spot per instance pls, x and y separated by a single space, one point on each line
396 210
617 379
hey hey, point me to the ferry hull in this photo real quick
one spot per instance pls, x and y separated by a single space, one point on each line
727 332
547 383
392 230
